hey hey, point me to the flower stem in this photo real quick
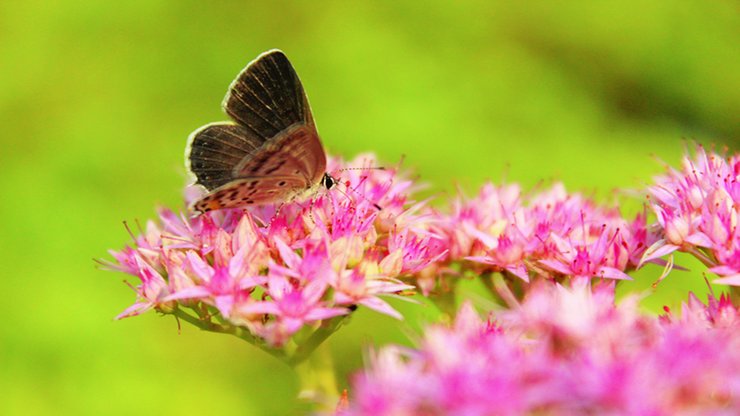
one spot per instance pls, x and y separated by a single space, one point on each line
241 333
701 256
503 290
735 295
319 336
318 384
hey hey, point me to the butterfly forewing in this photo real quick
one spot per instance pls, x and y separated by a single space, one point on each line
267 97
272 152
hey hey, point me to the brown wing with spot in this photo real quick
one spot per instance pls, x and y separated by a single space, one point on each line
250 191
294 152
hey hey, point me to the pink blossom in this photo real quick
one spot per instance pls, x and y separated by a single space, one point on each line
565 351
697 211
586 261
273 270
151 293
547 234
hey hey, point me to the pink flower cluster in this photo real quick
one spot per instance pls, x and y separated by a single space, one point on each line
277 269
550 234
697 209
564 351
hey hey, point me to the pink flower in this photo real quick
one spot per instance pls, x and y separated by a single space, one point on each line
719 313
587 261
222 287
274 270
291 307
151 293
697 211
549 234
486 214
505 253
565 351
356 288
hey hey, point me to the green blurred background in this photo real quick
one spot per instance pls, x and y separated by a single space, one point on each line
97 99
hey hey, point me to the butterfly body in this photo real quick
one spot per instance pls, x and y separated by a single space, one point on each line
270 153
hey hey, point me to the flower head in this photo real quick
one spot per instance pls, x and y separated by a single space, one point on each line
549 234
697 210
565 351
276 269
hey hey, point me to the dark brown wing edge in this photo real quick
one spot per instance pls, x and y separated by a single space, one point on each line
215 149
267 97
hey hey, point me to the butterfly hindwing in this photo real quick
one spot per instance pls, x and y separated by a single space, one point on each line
215 149
267 97
296 151
250 191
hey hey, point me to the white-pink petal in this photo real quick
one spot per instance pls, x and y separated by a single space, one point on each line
135 309
195 292
658 249
259 307
381 306
556 265
199 267
612 273
289 256
724 270
519 271
700 239
224 304
732 280
488 240
318 314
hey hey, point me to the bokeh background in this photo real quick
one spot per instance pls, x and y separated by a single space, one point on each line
97 99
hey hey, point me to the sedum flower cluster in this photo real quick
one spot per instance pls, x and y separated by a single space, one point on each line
285 277
697 209
267 273
569 348
550 234
564 351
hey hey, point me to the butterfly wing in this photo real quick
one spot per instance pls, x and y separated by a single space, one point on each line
274 136
294 152
267 98
215 149
251 191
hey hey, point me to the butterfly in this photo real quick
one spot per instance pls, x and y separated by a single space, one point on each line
270 152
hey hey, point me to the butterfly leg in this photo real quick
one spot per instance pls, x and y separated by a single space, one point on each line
277 212
295 193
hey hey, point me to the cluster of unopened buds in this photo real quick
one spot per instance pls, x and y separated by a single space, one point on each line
285 277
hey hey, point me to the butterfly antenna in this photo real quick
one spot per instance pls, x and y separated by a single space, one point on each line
378 207
367 168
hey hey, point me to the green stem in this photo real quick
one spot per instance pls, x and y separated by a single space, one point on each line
317 338
504 291
444 299
487 279
237 331
318 384
734 294
702 257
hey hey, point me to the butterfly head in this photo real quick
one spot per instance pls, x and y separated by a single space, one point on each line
328 181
